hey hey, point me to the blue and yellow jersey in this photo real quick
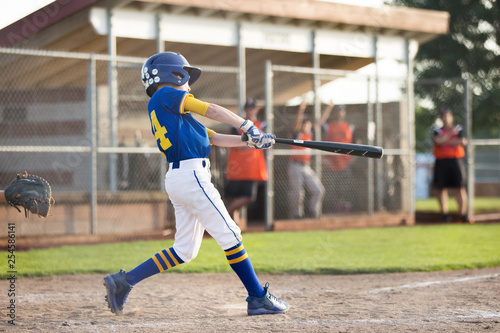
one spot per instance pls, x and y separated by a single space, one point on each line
178 134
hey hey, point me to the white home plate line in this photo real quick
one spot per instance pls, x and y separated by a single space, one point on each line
425 284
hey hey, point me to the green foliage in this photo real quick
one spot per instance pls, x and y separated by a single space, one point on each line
424 120
469 51
372 250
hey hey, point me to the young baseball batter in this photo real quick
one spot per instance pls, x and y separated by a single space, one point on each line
185 143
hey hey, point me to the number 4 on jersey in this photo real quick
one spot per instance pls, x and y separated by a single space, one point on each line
160 132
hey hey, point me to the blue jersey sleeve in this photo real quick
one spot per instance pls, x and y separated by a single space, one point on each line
172 100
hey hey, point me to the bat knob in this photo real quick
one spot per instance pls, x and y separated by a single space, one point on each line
244 137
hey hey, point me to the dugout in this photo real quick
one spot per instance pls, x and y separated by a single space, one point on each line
48 90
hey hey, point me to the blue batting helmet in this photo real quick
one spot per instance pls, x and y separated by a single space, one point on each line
168 67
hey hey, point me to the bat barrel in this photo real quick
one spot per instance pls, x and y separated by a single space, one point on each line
337 147
333 147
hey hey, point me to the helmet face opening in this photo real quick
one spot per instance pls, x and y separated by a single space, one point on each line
167 67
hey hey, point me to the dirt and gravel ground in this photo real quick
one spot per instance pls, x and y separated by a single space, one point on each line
451 301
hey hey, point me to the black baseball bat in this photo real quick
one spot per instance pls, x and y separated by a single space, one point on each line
333 147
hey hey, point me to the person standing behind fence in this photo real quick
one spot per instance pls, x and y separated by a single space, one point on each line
300 173
246 167
449 168
337 130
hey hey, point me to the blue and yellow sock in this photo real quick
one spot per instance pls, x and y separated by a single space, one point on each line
241 264
156 264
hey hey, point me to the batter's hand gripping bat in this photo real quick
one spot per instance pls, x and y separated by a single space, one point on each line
333 147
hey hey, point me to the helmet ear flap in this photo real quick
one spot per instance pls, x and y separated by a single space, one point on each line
150 91
173 74
167 67
180 75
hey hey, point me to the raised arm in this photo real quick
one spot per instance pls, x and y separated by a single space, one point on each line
326 113
300 117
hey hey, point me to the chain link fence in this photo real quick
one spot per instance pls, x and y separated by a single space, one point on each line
430 97
482 159
80 121
351 185
487 167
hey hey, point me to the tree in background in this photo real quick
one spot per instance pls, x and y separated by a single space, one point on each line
470 51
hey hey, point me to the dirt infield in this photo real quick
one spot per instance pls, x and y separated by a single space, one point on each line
451 301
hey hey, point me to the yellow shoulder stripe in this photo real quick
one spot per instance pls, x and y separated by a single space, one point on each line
182 105
195 105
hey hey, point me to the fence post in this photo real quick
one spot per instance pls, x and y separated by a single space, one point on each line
379 130
411 130
93 144
113 102
471 149
370 136
270 156
318 160
242 76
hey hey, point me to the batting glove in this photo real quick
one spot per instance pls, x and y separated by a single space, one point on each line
267 141
254 135
250 144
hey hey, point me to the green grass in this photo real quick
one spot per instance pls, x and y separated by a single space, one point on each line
481 205
372 250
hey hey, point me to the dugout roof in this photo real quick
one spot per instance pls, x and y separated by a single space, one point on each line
230 32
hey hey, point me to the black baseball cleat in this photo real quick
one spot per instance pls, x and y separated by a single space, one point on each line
117 290
267 304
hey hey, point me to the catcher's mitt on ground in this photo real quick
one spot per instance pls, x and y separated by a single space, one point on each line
31 192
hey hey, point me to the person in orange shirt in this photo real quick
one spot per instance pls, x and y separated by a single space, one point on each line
449 168
301 174
337 130
245 169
